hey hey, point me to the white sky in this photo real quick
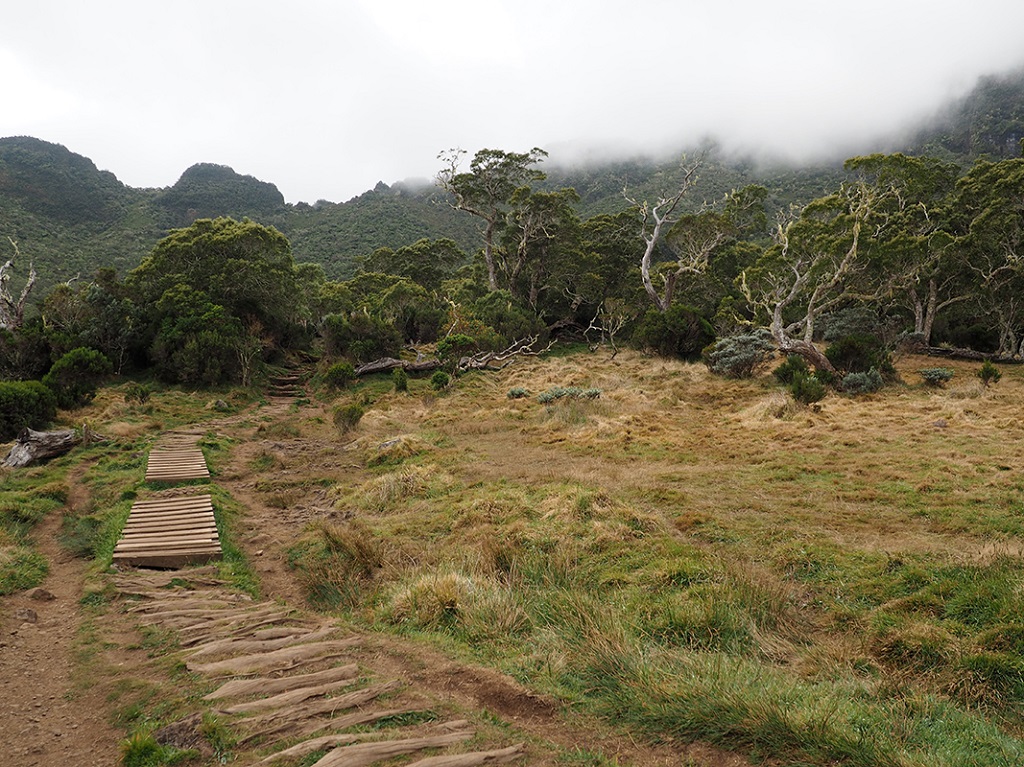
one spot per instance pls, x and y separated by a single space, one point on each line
324 98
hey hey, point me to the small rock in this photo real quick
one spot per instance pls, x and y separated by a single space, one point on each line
40 595
259 553
940 424
26 615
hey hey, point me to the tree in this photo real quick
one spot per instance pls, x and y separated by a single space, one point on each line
655 220
12 312
242 266
486 189
990 229
426 262
541 242
810 269
912 246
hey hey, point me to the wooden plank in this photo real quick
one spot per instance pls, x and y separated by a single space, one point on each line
206 520
182 500
169 516
166 560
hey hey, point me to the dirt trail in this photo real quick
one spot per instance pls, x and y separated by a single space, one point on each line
46 716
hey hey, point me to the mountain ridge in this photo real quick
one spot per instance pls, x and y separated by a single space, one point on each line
71 218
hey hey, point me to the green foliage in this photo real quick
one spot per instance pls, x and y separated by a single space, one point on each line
136 393
807 389
508 320
400 379
440 380
989 373
518 392
196 340
211 291
456 346
862 383
426 262
76 376
348 416
936 377
25 404
859 353
679 332
339 375
360 336
740 356
794 364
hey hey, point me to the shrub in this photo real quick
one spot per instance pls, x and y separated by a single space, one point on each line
740 356
862 383
137 393
807 388
360 336
347 417
400 379
794 364
339 375
440 380
455 346
679 332
989 373
518 392
75 377
935 376
858 353
24 404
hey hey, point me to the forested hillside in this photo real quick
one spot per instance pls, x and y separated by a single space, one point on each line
71 218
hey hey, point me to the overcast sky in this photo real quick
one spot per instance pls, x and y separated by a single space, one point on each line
325 99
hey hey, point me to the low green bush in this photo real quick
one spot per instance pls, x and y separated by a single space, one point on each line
680 332
807 389
339 375
989 373
400 379
347 417
518 392
25 404
794 364
76 376
440 380
935 376
862 383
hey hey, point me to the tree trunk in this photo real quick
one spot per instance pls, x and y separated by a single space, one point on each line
384 364
492 272
34 446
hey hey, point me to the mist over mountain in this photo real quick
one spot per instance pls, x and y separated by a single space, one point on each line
71 218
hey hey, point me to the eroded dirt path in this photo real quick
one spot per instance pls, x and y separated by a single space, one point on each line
48 715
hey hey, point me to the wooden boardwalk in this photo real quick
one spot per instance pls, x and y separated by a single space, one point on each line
176 463
171 531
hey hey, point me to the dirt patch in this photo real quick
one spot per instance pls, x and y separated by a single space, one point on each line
46 716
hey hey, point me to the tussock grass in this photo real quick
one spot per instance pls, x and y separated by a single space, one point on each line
695 557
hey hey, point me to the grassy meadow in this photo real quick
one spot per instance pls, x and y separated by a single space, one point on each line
697 557
690 556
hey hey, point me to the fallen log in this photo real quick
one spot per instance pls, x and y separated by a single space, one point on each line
386 364
34 446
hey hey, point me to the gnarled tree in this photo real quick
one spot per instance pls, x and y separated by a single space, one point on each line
12 312
486 189
811 270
